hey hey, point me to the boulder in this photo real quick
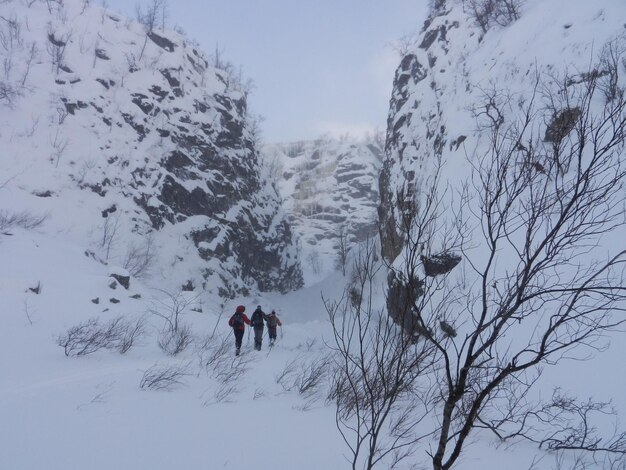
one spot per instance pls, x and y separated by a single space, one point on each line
439 264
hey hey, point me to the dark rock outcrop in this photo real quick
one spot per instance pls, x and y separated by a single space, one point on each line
439 264
123 279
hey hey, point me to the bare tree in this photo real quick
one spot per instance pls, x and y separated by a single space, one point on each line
537 285
377 366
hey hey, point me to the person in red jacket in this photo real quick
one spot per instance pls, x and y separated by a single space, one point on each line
238 323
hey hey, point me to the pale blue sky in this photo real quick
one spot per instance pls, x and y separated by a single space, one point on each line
319 66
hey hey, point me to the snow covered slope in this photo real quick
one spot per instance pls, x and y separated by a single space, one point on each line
132 142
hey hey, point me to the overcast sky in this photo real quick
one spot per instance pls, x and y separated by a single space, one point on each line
318 66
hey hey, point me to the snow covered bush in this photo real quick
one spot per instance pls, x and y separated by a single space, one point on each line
24 219
489 12
166 378
174 341
92 335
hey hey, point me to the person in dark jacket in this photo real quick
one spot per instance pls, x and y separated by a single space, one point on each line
238 323
257 324
272 321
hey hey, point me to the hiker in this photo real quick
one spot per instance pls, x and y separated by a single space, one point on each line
272 321
238 323
257 324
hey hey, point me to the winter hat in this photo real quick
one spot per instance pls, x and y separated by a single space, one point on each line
240 309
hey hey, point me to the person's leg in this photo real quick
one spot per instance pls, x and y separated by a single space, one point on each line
258 337
238 339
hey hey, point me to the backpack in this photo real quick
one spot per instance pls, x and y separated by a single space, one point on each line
272 321
237 320
257 318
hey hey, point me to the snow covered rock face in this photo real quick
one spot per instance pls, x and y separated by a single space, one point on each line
330 192
444 83
151 134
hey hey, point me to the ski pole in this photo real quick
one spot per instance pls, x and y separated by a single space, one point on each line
248 336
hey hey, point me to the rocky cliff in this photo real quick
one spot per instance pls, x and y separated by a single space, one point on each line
131 133
476 78
467 56
330 193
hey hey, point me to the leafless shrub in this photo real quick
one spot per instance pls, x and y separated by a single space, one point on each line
132 62
231 370
489 12
62 113
108 237
104 391
8 92
59 145
174 341
28 313
24 219
32 56
85 6
224 393
342 248
610 67
405 45
54 5
10 33
259 393
166 378
155 11
285 376
312 376
91 336
375 372
103 12
227 371
139 258
12 41
171 306
213 351
32 128
130 334
304 375
313 260
56 47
